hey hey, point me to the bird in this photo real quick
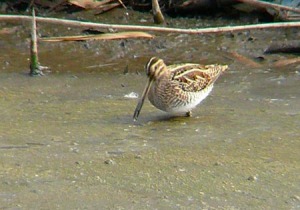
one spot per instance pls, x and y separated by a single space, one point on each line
178 88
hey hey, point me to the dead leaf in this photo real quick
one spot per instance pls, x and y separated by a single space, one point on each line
105 8
106 36
89 4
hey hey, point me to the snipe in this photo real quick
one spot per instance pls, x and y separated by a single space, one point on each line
178 88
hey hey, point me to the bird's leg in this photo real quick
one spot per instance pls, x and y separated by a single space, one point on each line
188 114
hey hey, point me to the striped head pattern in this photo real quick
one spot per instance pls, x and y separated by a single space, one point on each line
155 68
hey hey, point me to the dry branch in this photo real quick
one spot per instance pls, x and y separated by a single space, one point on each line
286 62
123 5
212 30
270 5
244 60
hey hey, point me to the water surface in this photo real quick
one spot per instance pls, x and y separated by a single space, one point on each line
68 141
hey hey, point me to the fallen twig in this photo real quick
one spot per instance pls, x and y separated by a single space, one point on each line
270 5
212 30
123 5
286 62
244 60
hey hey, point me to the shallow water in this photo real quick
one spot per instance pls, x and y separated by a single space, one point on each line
68 141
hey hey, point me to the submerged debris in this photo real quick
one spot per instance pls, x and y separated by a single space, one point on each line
110 162
252 178
289 46
131 95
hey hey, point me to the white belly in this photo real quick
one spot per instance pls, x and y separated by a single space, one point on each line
195 99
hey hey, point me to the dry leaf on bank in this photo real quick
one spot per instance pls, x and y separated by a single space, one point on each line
89 4
106 36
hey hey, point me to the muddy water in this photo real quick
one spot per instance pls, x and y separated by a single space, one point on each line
67 140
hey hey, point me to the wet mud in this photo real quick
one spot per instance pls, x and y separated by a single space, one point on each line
68 141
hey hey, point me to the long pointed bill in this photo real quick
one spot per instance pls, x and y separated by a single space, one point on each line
142 99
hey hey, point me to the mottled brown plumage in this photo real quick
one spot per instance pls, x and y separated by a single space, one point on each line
178 88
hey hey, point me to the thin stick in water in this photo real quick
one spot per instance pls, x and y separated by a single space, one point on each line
35 68
157 14
34 60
